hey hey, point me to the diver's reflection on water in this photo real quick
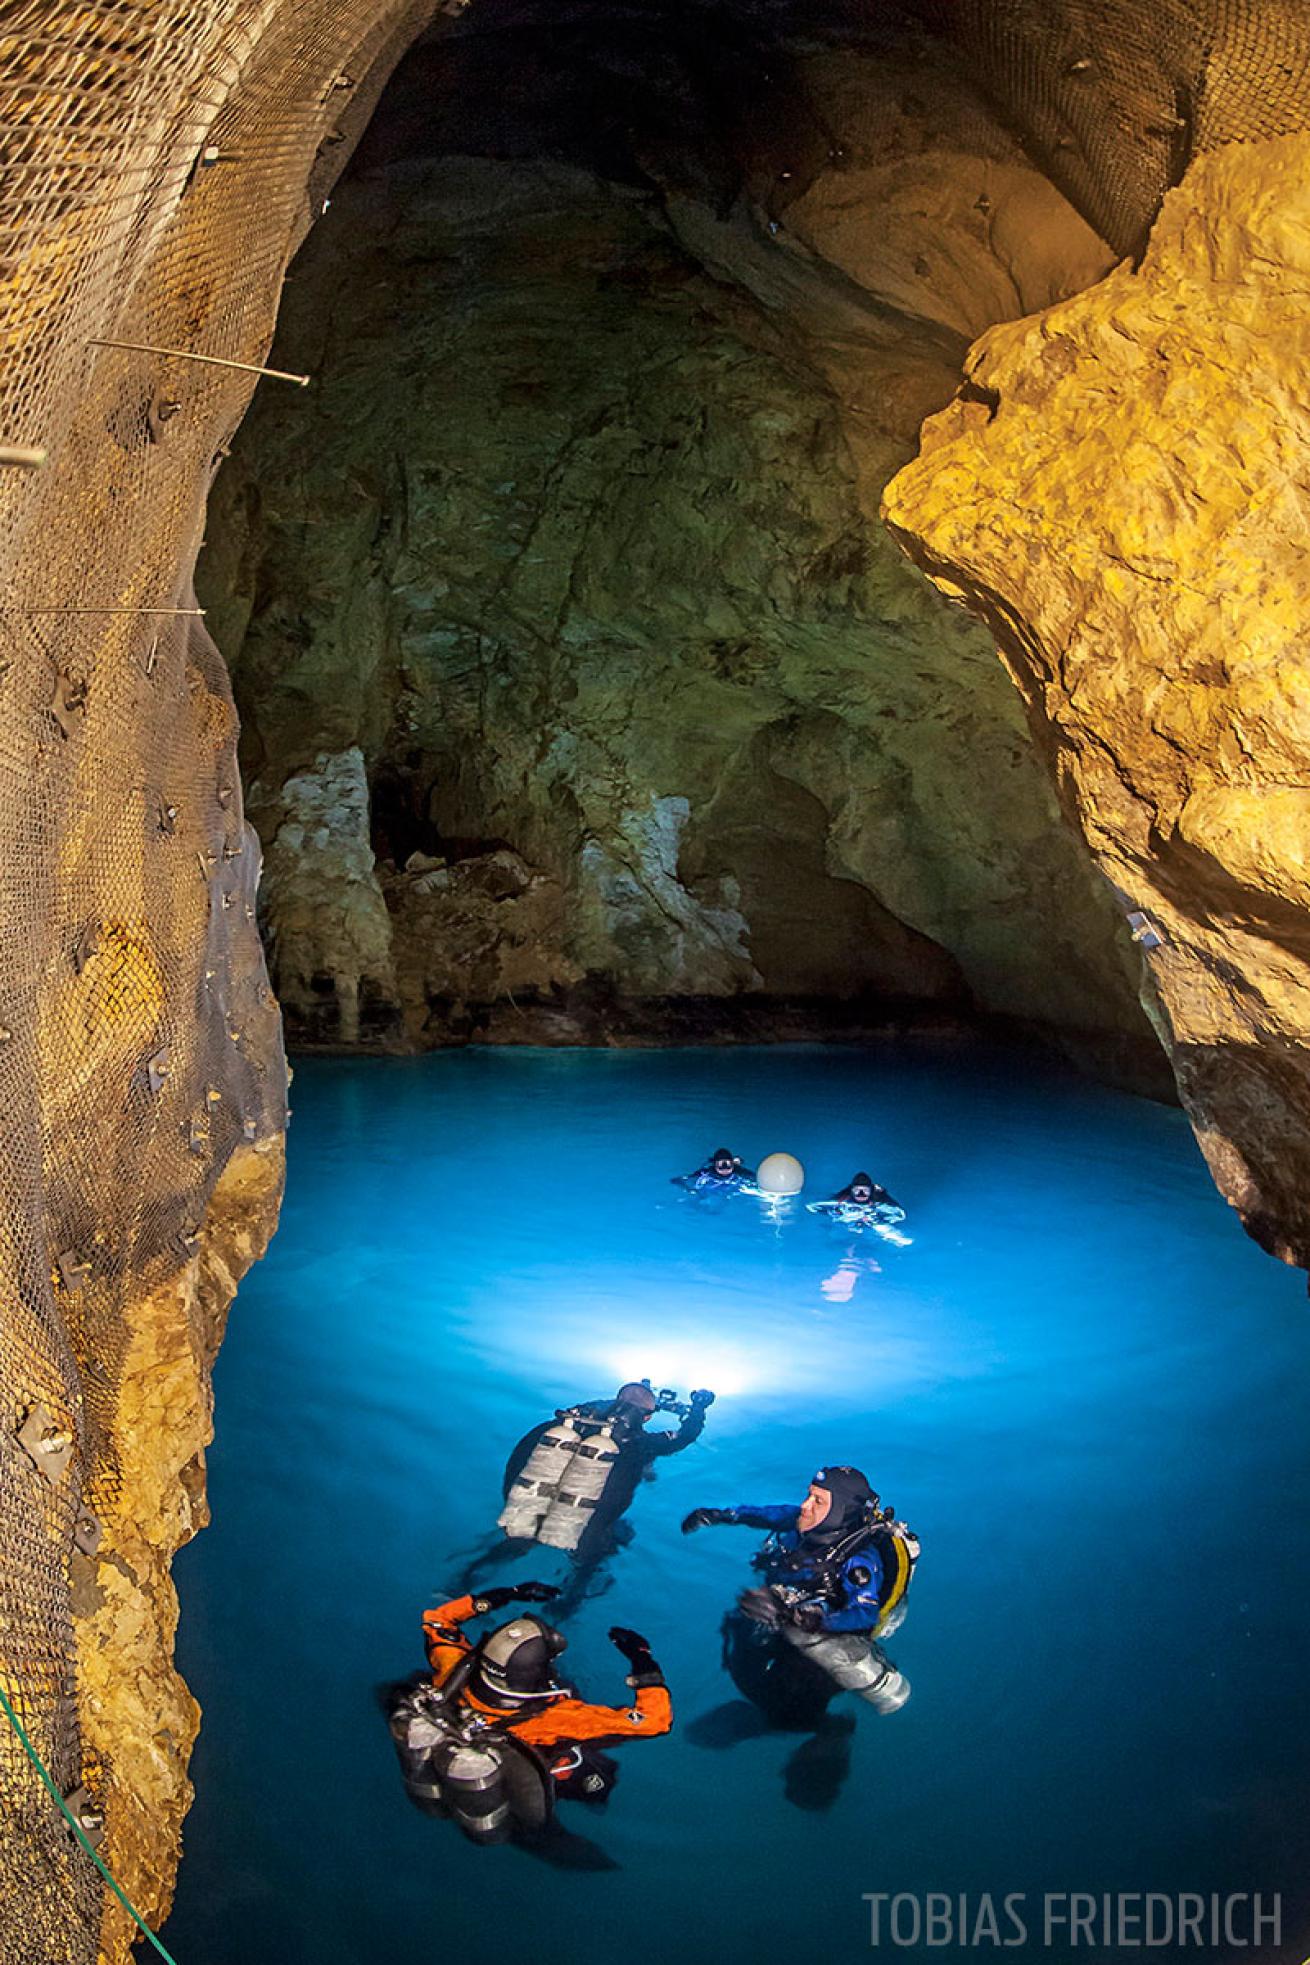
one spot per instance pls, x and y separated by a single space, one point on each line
837 1572
840 1286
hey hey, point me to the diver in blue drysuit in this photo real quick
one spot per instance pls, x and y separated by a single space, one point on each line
836 1571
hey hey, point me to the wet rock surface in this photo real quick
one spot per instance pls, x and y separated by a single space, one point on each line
581 685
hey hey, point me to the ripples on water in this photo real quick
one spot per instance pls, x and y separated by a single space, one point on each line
1082 1385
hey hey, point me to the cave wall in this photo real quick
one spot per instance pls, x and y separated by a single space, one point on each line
582 692
1120 495
140 1046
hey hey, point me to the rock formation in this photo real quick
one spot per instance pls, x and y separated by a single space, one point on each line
582 690
1119 494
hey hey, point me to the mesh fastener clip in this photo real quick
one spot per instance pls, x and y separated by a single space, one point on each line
88 1817
47 1444
73 1269
157 1071
68 701
88 1533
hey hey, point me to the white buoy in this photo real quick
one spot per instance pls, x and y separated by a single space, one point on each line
780 1173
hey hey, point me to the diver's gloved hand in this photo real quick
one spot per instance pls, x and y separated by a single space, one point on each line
762 1607
636 1649
806 1617
705 1518
702 1398
513 1593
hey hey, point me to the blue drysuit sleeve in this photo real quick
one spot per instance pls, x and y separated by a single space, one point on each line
773 1515
859 1610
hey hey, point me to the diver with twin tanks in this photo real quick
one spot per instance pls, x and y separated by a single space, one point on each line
569 1481
495 1738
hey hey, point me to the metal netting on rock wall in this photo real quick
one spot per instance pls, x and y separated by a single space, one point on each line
157 166
1115 97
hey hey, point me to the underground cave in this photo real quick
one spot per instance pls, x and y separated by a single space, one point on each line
756 598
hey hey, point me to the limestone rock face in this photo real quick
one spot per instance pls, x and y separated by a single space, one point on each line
1120 494
570 564
138 1718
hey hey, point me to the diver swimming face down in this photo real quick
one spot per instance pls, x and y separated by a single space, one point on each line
723 1164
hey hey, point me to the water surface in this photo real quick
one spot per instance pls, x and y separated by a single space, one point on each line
1082 1385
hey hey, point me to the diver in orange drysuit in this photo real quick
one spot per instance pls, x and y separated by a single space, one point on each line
512 1683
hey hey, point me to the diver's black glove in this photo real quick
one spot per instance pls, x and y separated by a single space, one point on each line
806 1617
705 1518
636 1649
513 1593
702 1398
762 1607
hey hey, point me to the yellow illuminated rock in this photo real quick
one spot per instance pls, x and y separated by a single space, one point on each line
1119 492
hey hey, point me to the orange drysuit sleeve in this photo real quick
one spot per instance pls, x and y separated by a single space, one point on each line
564 1720
445 1641
650 1713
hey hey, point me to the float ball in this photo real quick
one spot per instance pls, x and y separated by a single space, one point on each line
780 1173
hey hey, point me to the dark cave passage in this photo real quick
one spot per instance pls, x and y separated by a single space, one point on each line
582 689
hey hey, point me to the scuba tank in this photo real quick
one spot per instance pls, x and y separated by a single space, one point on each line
855 1662
458 1766
561 1484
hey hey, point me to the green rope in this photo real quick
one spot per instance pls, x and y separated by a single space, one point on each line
76 1826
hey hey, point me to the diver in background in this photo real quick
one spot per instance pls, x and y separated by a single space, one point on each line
836 1572
863 1192
569 1482
863 1204
494 1738
720 1174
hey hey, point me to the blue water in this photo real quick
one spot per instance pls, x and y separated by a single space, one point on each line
1082 1385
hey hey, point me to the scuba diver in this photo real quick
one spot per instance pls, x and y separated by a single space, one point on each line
862 1192
493 1739
860 1200
569 1482
721 1174
836 1571
863 1204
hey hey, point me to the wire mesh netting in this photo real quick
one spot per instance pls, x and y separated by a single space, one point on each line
157 167
1115 97
158 164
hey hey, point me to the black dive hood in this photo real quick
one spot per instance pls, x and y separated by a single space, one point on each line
853 1501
